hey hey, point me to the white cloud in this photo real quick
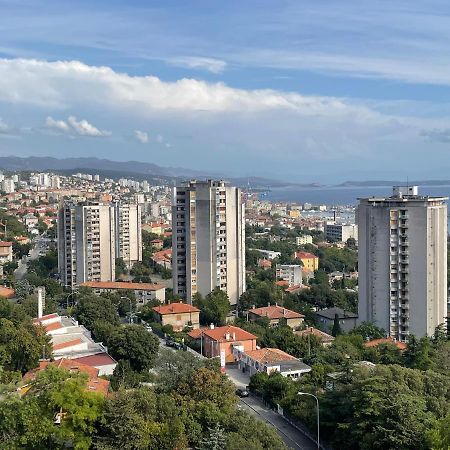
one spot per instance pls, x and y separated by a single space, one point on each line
142 136
74 127
194 62
66 84
4 127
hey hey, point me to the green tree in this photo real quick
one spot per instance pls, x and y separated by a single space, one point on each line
214 307
369 331
336 331
134 344
214 440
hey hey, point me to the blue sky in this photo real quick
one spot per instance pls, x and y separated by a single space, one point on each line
302 90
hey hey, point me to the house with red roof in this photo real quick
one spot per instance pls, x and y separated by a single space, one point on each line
389 340
224 341
179 315
6 252
93 384
275 313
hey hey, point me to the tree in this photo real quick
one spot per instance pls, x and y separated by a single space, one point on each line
120 267
336 331
214 308
438 436
369 331
92 308
214 440
134 344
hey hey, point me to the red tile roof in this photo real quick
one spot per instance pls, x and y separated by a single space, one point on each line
389 340
324 337
67 344
7 292
41 319
235 334
282 283
53 326
124 285
276 312
175 308
270 355
93 384
5 244
99 359
304 255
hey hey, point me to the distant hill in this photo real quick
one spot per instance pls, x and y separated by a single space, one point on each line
129 169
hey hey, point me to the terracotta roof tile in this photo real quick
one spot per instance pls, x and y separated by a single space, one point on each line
389 340
67 344
236 334
270 355
276 312
175 308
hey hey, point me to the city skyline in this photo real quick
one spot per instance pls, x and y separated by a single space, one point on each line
293 86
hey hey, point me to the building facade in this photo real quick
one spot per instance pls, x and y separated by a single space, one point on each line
403 262
292 273
338 232
86 243
128 236
208 240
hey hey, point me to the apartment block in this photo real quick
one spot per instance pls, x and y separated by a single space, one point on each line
338 232
403 262
208 240
292 273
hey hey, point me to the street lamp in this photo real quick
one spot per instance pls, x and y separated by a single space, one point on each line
131 314
318 417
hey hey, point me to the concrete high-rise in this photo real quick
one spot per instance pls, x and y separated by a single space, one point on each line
208 239
402 262
128 232
86 243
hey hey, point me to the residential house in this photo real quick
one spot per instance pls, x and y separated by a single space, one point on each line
269 360
325 339
6 252
309 260
402 346
326 318
179 315
276 313
222 341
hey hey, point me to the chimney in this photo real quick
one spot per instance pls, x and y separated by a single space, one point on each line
284 311
234 336
227 335
41 301
276 304
268 303
211 326
253 307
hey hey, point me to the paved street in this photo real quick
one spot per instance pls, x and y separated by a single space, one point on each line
20 272
293 438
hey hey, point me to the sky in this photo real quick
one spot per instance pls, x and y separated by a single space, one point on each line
304 91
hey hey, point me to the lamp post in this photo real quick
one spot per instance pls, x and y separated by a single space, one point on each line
318 416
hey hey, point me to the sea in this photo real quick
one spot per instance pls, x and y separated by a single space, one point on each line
337 195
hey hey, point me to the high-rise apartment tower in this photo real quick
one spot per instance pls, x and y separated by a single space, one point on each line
402 262
208 239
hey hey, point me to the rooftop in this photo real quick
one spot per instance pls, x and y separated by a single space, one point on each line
270 355
122 285
376 342
324 337
276 312
175 308
220 334
330 313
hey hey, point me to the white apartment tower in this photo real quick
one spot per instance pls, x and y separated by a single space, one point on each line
128 232
86 243
403 262
208 239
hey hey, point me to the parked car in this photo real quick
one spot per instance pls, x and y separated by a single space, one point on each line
242 392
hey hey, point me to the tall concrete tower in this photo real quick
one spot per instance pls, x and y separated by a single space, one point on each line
403 262
208 243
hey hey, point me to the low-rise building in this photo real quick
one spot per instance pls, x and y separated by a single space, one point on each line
269 360
402 346
93 384
325 339
337 232
303 240
223 341
143 292
326 318
6 252
71 340
309 260
275 314
268 254
179 315
292 273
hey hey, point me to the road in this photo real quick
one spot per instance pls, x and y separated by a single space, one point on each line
292 437
20 272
